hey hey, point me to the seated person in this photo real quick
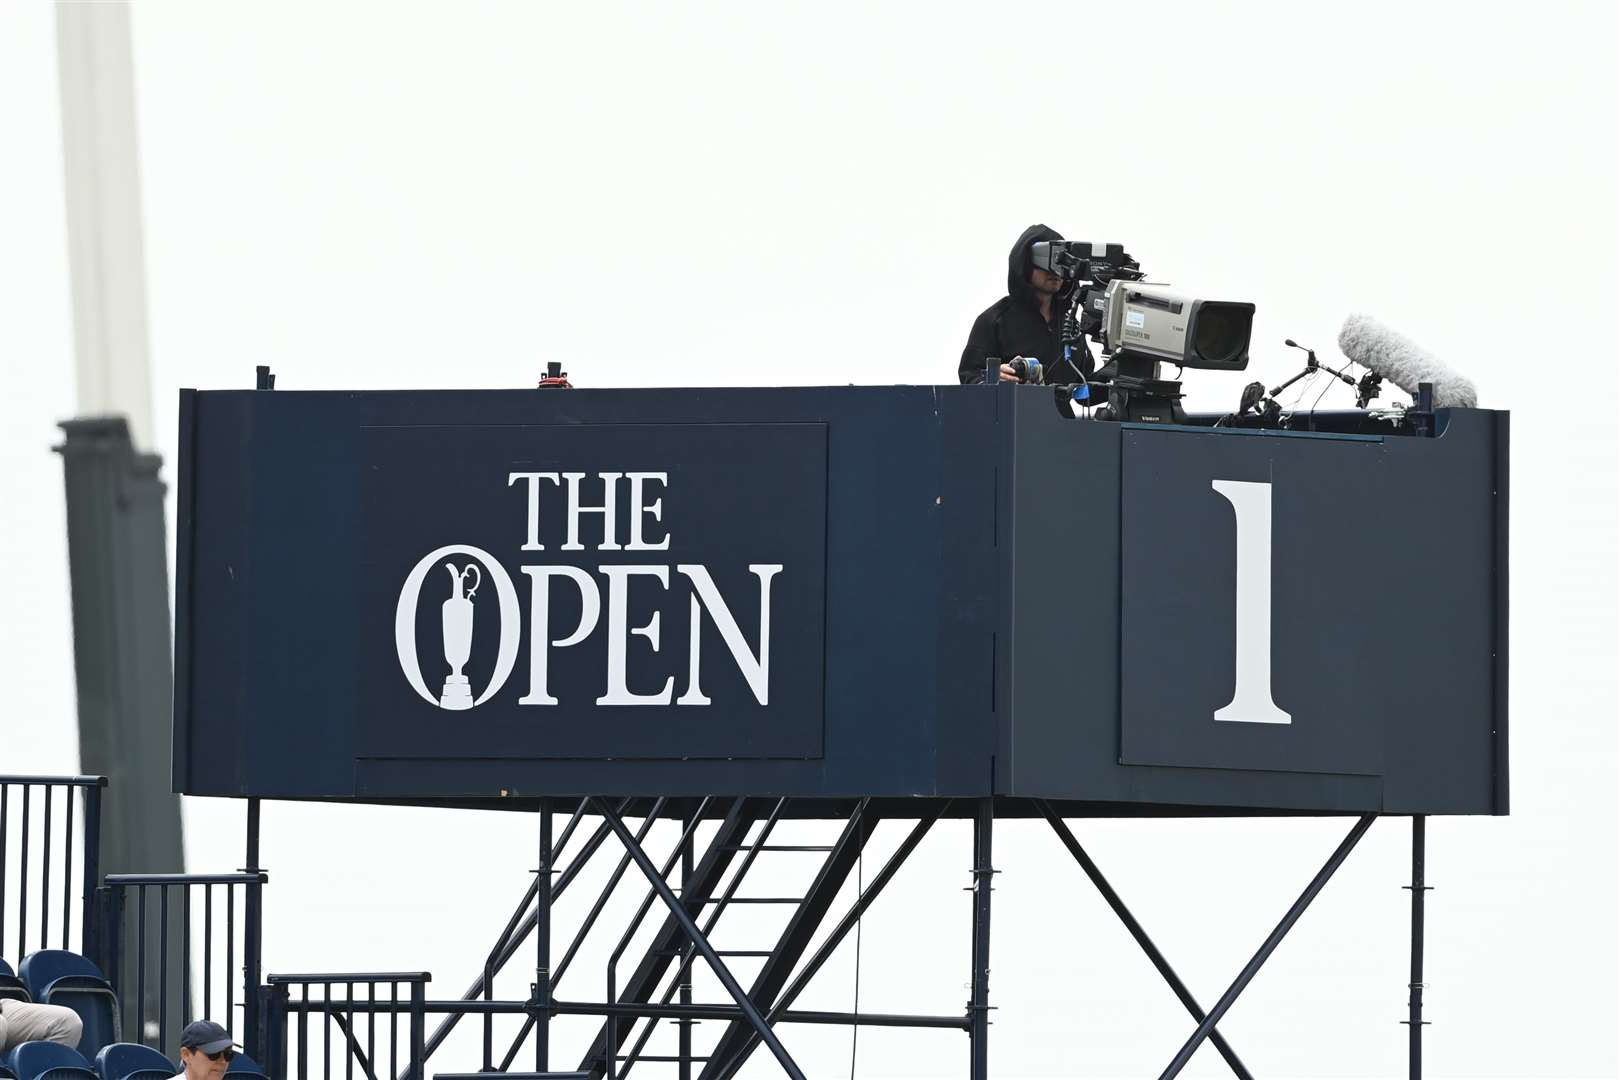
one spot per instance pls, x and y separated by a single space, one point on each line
206 1051
24 1021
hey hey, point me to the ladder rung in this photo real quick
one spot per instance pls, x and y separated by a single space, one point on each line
661 1057
758 900
743 952
781 847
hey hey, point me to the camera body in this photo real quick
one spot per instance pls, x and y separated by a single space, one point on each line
1157 323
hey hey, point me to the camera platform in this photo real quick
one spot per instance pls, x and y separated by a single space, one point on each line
717 610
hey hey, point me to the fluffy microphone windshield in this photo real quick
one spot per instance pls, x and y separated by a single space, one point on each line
1403 362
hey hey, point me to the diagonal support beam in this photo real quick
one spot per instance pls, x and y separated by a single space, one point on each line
1249 971
678 911
643 981
795 938
1153 954
682 983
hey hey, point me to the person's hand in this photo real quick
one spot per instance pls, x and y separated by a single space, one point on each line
1008 374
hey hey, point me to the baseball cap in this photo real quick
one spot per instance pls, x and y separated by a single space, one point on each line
207 1036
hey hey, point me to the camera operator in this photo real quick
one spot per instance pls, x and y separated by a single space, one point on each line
1026 322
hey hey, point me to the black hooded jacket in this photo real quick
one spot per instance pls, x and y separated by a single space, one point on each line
1013 326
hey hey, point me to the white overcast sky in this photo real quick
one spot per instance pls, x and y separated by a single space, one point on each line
449 195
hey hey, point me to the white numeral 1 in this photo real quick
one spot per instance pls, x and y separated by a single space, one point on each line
1251 697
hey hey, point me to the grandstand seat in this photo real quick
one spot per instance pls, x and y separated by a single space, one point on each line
12 987
59 977
245 1068
132 1061
50 1061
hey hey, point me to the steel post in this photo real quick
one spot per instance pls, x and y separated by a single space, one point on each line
979 1003
90 925
252 936
542 949
684 1024
1414 987
417 1069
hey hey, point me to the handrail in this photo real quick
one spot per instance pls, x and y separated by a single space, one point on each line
262 877
56 835
363 1045
61 781
328 978
128 912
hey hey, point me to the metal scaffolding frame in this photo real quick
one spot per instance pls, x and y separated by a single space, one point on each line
693 902
692 888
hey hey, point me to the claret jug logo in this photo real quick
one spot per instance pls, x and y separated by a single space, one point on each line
461 577
458 620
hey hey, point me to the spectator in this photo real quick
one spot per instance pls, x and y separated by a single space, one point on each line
206 1051
24 1021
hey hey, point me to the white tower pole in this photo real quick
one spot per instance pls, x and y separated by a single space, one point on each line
102 182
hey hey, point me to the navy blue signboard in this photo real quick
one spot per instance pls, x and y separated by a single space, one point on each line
833 593
592 591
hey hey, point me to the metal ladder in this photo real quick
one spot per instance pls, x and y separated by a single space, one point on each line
809 910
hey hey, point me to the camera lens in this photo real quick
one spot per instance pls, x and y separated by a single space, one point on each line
1221 333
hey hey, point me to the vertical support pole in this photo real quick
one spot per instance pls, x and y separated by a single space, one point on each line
684 1024
163 966
109 918
274 1040
542 934
22 893
979 1005
418 1031
90 927
252 936
45 875
1414 986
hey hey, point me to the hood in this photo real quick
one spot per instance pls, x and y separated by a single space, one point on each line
1018 261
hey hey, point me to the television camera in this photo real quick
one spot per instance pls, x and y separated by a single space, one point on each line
1139 326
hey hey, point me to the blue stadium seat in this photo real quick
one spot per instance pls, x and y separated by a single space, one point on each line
50 1061
245 1068
132 1061
11 987
59 977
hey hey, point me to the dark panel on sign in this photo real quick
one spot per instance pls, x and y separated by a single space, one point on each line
574 622
1214 672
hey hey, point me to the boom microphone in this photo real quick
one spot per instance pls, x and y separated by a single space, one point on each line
1403 362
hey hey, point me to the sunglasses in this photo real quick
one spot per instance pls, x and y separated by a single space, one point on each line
227 1055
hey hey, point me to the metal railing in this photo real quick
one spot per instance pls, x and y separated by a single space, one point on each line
138 913
289 1000
38 860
